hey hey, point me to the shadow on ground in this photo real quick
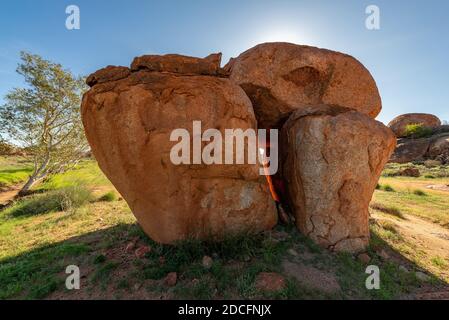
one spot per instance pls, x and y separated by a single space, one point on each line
110 269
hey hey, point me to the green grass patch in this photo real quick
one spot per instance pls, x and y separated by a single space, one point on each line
86 173
108 197
65 199
389 209
419 192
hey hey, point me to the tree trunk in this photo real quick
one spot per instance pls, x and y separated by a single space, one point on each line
32 180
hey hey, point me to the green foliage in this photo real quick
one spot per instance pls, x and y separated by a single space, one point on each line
32 275
65 199
10 177
387 187
419 192
389 209
44 117
108 197
417 130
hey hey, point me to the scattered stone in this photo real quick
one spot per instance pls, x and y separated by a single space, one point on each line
137 286
383 254
442 187
422 276
292 252
162 260
326 143
270 282
142 251
399 123
130 247
207 262
170 279
364 258
246 258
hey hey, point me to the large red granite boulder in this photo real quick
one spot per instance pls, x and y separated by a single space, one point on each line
280 78
332 160
128 118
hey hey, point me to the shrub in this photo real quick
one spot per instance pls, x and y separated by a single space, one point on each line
64 199
387 187
108 197
419 192
417 130
429 176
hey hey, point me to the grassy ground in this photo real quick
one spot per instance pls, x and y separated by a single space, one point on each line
13 170
413 196
78 218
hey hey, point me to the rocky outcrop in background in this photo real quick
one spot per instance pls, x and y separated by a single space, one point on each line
332 150
433 145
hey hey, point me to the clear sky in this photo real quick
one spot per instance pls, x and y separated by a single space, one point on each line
408 56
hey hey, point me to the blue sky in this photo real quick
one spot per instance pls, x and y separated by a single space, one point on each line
408 56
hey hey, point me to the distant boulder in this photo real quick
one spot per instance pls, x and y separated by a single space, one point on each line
399 124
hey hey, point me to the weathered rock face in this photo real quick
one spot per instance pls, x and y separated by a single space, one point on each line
128 122
439 147
332 159
409 150
282 77
399 123
176 63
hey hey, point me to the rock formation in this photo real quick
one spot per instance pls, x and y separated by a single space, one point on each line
332 160
399 123
282 77
332 151
129 116
409 150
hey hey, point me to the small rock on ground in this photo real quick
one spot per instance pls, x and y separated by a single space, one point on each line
364 258
270 281
207 262
141 251
422 276
170 279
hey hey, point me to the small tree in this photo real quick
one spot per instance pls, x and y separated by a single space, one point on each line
45 117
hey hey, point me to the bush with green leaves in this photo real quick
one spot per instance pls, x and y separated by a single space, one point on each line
66 199
108 197
417 130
